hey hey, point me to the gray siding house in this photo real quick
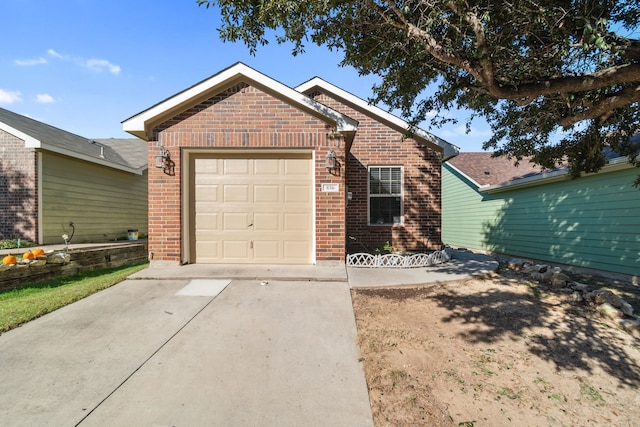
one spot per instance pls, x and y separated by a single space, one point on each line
50 179
590 222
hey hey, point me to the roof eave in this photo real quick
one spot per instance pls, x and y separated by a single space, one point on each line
29 141
449 150
618 163
142 124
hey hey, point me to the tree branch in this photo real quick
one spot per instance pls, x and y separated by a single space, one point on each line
604 109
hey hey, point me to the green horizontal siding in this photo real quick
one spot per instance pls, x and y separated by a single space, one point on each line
103 203
592 222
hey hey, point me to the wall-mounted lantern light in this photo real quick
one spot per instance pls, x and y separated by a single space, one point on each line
163 160
331 160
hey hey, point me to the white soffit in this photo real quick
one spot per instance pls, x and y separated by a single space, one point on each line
141 124
450 150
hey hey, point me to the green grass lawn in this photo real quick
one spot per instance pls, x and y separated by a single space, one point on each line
32 300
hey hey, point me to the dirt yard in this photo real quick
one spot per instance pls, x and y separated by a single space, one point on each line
495 352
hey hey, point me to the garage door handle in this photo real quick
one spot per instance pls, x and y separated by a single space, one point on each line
250 225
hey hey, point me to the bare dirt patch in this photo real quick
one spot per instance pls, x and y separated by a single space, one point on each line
494 352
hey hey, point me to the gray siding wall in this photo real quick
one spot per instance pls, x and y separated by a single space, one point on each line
591 222
102 203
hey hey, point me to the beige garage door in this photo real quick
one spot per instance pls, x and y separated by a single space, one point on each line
253 209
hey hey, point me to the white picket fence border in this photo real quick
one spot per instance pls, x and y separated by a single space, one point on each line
367 260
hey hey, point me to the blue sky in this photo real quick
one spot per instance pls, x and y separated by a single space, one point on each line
86 65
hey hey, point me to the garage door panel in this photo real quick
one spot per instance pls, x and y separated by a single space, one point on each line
296 222
236 193
206 166
253 210
268 222
235 249
296 194
207 193
236 166
295 167
266 193
207 221
267 249
269 167
238 221
208 250
296 249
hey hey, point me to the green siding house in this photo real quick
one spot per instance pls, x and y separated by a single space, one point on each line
591 222
50 178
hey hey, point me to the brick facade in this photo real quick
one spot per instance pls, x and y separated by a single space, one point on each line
376 144
242 117
18 189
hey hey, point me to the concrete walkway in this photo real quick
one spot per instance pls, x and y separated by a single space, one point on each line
204 346
463 266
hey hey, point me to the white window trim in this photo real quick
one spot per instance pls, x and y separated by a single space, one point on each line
401 196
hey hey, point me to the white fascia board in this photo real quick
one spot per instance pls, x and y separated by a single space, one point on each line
140 124
467 177
29 141
553 176
450 150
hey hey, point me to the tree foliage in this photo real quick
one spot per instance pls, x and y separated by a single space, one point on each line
558 81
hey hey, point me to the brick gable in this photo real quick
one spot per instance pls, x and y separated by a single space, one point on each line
376 144
242 117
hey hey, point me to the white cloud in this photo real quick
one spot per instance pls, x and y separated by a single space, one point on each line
10 97
45 98
100 65
94 64
30 62
55 54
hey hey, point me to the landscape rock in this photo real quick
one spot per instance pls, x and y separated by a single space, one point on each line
582 287
577 297
38 262
609 311
517 264
541 268
626 308
58 258
630 325
558 284
605 296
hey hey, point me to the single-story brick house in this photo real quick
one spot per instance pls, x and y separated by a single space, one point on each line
590 222
258 172
50 178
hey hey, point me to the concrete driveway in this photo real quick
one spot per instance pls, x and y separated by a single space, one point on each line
170 352
187 346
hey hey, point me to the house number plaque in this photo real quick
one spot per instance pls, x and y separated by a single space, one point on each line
330 188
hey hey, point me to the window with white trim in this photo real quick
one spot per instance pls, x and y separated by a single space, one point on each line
385 195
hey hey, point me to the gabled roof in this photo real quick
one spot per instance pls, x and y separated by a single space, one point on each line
40 135
495 174
132 151
378 114
484 170
143 123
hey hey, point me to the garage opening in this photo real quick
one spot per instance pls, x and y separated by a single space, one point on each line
251 208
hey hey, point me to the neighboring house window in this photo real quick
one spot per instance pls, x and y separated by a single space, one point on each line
385 195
